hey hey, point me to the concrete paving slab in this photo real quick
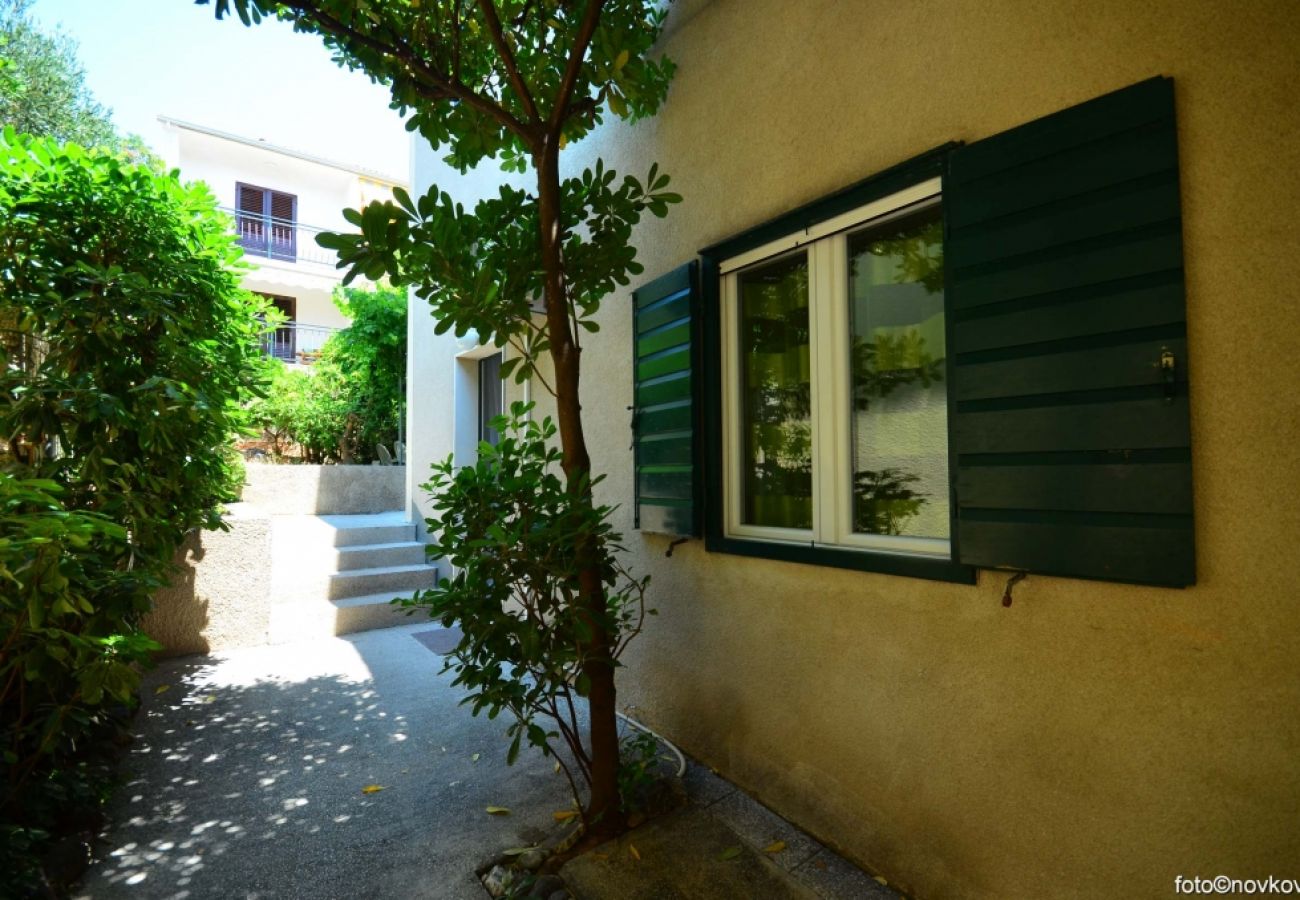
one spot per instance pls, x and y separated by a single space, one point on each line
686 855
705 787
247 778
759 827
833 877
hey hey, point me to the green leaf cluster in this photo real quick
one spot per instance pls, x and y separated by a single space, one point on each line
482 270
511 530
128 352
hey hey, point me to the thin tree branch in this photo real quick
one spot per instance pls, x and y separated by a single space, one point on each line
573 787
533 358
590 19
436 85
508 57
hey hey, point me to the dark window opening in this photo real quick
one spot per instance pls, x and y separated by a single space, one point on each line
283 342
490 397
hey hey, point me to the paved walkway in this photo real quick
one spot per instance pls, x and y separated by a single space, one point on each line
249 779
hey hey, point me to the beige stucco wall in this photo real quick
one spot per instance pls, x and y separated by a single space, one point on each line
220 599
1094 739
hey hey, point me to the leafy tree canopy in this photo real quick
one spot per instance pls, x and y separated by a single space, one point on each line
492 79
43 90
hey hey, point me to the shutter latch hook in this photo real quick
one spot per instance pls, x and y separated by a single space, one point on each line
1012 582
1167 372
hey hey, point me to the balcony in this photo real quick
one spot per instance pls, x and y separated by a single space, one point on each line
284 240
297 342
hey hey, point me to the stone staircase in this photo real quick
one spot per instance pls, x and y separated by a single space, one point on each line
336 574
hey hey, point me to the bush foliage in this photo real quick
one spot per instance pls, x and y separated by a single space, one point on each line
127 354
352 399
510 529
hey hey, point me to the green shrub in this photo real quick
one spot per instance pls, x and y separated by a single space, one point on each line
369 359
352 398
127 355
509 527
302 408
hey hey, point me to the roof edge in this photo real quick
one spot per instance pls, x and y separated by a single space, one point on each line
372 174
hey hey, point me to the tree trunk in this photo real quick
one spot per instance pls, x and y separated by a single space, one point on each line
603 815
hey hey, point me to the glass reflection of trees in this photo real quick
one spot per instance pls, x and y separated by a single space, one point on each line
888 355
776 394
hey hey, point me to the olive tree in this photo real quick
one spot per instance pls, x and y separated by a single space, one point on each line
515 81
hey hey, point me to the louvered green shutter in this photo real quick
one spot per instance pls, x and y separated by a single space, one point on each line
1064 256
664 443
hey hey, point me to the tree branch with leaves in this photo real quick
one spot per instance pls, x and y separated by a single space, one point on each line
514 81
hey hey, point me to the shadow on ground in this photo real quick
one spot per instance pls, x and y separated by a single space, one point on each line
249 772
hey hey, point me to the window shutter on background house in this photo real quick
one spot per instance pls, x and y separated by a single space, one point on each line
283 206
1065 277
665 439
250 199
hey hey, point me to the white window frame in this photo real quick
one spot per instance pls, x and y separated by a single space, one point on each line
826 247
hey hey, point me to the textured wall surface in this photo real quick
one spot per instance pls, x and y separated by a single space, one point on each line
221 599
1094 739
320 490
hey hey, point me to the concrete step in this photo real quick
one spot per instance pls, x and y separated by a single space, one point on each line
376 528
398 579
312 619
372 556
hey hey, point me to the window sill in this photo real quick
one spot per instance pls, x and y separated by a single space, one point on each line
909 566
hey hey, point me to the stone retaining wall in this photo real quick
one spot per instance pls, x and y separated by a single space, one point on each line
221 598
321 490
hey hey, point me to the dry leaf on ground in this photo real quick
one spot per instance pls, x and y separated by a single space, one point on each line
372 789
498 811
729 853
774 847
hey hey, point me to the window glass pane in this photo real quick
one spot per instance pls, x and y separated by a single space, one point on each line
775 401
900 425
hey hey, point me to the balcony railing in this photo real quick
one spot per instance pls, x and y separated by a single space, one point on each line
279 239
296 342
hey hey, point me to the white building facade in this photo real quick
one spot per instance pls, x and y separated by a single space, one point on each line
280 200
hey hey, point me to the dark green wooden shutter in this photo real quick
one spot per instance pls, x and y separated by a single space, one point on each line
1064 256
665 325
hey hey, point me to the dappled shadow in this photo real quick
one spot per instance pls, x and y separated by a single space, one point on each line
178 618
249 778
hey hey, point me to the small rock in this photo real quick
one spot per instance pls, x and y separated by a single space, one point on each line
547 885
498 881
531 860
